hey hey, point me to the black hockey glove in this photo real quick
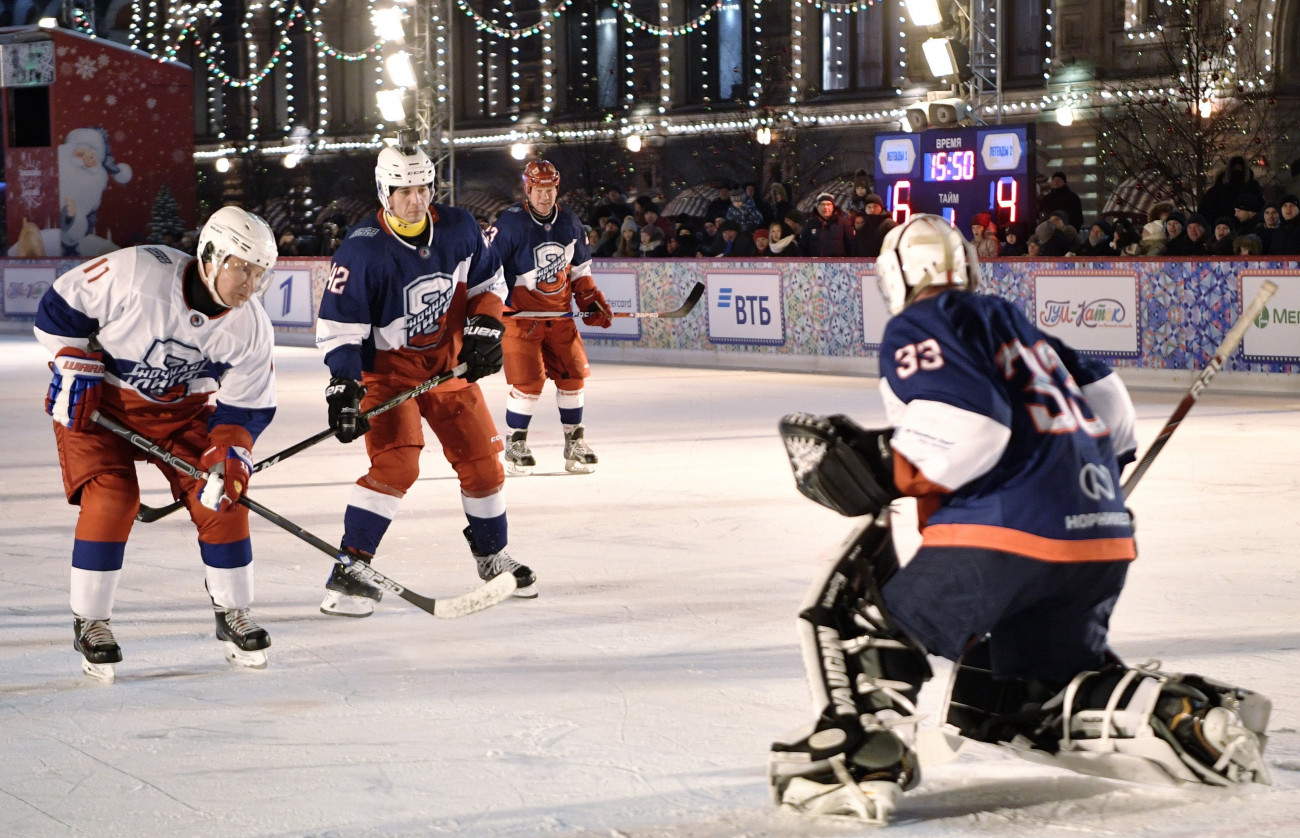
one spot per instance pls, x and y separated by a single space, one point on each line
344 398
481 354
839 464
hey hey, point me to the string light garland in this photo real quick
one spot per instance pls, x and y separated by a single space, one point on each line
625 7
549 16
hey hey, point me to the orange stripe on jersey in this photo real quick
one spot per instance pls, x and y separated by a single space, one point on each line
1024 544
98 263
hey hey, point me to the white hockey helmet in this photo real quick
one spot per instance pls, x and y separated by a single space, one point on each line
924 251
401 166
232 231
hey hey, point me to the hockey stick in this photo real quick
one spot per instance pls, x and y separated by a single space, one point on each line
1226 348
681 311
149 514
495 590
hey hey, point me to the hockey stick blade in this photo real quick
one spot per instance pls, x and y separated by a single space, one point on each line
681 311
490 593
149 514
1202 380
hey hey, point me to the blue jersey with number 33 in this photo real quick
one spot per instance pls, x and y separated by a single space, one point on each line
1007 437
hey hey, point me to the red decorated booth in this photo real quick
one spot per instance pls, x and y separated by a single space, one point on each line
96 135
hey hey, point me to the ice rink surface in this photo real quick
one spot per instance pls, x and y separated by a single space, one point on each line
638 695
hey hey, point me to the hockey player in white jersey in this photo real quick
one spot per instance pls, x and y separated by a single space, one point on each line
1012 445
146 335
547 264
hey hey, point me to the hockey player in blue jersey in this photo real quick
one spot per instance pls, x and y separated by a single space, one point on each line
1012 445
547 263
411 292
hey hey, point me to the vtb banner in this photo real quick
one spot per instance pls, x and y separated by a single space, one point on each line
745 307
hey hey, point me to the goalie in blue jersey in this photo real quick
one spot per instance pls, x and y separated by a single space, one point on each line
1012 445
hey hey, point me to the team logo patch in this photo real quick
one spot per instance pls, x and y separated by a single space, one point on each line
425 252
551 274
427 300
165 373
196 320
158 254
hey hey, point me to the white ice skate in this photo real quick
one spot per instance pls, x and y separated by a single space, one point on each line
578 458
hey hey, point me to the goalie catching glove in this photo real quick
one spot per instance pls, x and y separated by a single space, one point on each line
482 354
229 468
840 465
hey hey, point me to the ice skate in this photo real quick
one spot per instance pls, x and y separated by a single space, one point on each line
489 565
245 640
349 597
578 458
99 650
519 459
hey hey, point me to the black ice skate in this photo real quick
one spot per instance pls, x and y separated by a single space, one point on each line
99 650
491 564
346 596
578 458
244 639
519 459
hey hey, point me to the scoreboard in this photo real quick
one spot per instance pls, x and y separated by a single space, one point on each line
958 172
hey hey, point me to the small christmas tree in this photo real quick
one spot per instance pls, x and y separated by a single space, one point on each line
166 226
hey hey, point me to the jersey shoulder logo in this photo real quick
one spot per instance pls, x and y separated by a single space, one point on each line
158 254
427 300
362 232
166 370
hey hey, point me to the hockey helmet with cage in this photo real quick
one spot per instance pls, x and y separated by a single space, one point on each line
232 231
540 173
401 166
922 252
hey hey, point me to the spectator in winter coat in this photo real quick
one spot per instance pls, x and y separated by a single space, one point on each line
734 245
1051 241
629 240
983 236
1285 240
1013 241
761 247
1153 239
874 226
782 242
718 206
1223 236
1246 210
1176 232
652 243
1235 181
744 213
1062 197
1198 234
794 222
1098 243
861 190
828 233
778 203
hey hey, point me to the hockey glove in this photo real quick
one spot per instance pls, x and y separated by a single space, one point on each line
482 354
597 310
75 389
228 473
839 464
344 398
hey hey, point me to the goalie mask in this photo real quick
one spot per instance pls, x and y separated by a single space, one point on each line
925 251
232 231
398 167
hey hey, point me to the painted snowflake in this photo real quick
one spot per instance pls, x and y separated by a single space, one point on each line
86 67
150 103
110 100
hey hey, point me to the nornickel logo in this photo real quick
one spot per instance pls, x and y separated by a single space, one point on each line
1262 319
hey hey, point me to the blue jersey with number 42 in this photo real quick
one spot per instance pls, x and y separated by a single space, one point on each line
1008 437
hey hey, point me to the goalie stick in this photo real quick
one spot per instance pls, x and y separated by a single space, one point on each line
1226 348
149 514
681 311
496 589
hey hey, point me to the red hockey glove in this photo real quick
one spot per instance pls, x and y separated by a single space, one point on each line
76 387
597 310
229 468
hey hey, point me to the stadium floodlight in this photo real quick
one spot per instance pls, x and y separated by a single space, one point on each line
388 23
940 57
400 69
924 12
391 106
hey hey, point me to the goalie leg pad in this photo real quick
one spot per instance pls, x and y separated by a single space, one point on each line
833 771
839 464
1141 725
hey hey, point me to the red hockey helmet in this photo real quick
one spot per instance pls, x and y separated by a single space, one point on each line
541 173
